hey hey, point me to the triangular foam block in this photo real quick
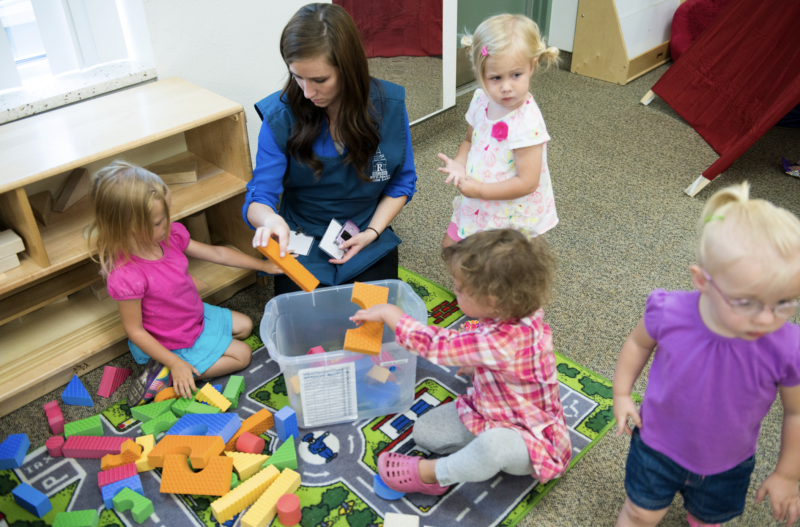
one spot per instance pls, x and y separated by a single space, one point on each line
112 379
284 457
147 412
75 394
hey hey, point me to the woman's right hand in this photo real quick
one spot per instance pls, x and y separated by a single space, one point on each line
624 407
273 227
182 378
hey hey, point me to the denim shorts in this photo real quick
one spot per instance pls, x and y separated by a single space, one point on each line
652 479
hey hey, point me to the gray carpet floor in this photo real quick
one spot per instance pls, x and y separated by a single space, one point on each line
619 171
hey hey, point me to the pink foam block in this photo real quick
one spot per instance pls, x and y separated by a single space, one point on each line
112 379
315 350
88 447
115 474
54 417
55 446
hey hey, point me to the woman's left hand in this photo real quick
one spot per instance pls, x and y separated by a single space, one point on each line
355 244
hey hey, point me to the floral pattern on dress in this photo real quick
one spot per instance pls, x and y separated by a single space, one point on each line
491 160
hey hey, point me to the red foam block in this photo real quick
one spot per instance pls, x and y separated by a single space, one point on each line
289 510
250 443
55 446
112 379
115 474
88 447
54 417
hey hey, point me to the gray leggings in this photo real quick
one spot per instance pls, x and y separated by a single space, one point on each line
473 458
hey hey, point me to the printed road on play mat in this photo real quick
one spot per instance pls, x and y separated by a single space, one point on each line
336 462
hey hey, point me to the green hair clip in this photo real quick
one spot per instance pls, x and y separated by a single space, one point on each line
709 219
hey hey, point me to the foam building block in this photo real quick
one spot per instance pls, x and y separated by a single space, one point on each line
162 423
264 509
75 393
54 417
379 395
196 407
367 337
378 374
148 412
294 382
383 491
245 464
115 474
76 187
147 442
289 265
10 243
234 478
315 350
112 489
217 387
209 394
180 406
392 519
89 447
289 512
55 446
286 423
256 424
250 443
234 389
129 454
91 426
77 519
13 450
31 500
200 449
244 495
285 457
127 500
222 425
213 480
112 379
166 393
41 206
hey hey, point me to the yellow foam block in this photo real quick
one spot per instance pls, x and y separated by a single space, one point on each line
246 464
379 373
209 394
244 495
263 510
295 382
147 443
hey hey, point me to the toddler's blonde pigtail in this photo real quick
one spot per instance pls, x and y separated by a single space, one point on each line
718 203
548 55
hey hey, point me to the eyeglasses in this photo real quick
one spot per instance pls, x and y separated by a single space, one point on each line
748 307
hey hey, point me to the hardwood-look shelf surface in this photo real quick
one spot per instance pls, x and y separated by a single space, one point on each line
64 236
44 351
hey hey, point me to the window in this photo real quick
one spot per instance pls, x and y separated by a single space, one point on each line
22 32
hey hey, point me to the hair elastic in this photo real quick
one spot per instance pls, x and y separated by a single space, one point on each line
483 51
709 219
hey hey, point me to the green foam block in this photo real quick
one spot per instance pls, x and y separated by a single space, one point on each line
284 457
180 406
127 500
91 426
77 519
200 408
162 423
147 412
234 389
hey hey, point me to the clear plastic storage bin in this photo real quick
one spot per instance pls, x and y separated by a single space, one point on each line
335 386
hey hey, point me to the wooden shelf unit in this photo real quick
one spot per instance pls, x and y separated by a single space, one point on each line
54 341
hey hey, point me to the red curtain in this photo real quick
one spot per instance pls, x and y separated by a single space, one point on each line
390 28
739 78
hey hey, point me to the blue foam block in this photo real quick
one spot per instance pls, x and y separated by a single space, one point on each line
362 367
13 450
286 423
112 489
31 500
373 396
383 491
222 425
75 393
217 387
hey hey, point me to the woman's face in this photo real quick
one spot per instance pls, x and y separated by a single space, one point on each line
319 81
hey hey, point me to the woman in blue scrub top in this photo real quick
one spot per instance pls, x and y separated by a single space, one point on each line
336 143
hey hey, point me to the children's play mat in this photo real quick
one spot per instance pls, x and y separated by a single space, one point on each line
336 462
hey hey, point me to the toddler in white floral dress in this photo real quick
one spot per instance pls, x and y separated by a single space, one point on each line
501 167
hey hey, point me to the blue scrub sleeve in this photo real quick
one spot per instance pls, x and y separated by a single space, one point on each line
266 185
405 182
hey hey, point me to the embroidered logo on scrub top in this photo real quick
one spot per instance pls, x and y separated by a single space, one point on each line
379 172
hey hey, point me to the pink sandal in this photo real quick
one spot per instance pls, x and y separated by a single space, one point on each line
693 523
401 473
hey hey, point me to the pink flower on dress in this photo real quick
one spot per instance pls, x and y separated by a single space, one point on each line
500 130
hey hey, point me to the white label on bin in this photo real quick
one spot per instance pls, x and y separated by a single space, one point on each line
393 362
328 394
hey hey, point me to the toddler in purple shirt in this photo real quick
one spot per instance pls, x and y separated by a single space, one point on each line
722 354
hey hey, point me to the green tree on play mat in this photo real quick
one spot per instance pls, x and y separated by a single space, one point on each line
25 523
331 499
362 518
419 289
600 420
6 483
280 386
591 387
564 369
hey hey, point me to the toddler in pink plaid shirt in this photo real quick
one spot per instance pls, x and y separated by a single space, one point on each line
511 420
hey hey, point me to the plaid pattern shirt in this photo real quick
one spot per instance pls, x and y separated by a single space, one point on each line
514 384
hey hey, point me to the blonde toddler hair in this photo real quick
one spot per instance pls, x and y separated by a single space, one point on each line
507 34
122 196
733 226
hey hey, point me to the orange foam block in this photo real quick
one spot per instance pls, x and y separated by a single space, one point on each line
199 449
256 424
130 452
289 265
213 480
166 393
367 337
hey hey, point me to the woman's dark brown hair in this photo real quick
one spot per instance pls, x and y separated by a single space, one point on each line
326 30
